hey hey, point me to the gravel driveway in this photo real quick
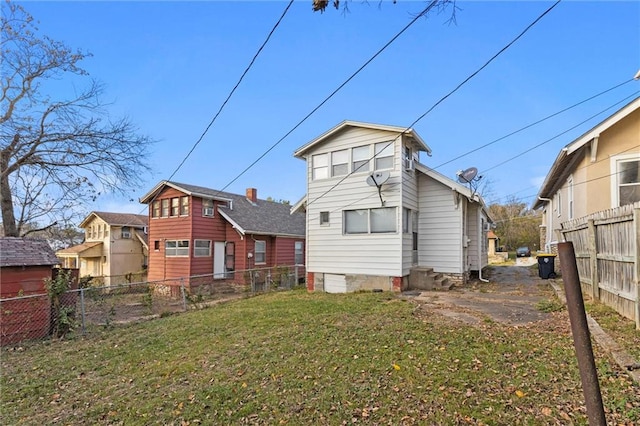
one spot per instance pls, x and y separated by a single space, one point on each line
510 297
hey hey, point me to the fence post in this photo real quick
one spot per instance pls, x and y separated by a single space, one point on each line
184 294
593 259
84 330
295 275
636 222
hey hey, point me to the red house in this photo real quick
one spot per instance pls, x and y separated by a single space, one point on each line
195 231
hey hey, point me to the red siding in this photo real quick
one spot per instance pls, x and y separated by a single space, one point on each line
29 279
24 318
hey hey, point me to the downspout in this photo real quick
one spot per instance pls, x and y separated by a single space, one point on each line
481 230
547 245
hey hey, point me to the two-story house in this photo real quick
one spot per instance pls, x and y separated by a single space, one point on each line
375 214
599 170
198 231
115 245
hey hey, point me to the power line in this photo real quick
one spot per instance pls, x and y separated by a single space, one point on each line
286 9
534 123
419 15
559 134
449 94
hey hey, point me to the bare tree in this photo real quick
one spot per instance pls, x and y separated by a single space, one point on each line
56 154
516 224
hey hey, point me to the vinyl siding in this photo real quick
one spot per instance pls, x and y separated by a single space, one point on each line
328 249
472 234
440 227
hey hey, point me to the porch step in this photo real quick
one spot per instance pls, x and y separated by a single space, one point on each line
421 278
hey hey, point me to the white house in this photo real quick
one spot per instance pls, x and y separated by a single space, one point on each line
378 219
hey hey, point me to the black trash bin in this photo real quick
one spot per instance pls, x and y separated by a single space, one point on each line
546 268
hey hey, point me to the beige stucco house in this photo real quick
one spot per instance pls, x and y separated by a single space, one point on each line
599 170
379 219
115 245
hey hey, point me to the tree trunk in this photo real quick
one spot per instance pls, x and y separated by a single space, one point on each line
6 204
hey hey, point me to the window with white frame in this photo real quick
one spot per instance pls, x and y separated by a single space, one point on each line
384 155
207 208
125 232
324 218
201 248
165 207
184 206
299 252
406 156
626 181
260 252
570 197
320 164
406 220
360 159
173 248
370 221
340 162
155 209
559 203
175 206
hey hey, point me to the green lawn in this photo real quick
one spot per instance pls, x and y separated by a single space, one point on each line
298 358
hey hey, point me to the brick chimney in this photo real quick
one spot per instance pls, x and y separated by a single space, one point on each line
252 195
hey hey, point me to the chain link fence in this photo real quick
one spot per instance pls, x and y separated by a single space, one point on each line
97 307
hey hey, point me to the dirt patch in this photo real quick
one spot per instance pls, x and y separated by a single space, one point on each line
510 297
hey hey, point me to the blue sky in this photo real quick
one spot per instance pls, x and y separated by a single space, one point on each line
169 66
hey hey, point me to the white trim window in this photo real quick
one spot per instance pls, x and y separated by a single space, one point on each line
384 155
165 207
260 252
625 182
570 197
370 221
360 158
324 218
207 207
406 220
299 252
201 248
176 248
184 206
320 165
340 162
559 203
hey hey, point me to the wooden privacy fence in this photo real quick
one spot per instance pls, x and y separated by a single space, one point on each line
607 246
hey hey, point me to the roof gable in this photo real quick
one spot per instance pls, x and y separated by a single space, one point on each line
193 190
568 157
262 217
420 144
118 219
16 251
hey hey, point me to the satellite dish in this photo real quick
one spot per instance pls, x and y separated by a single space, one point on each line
377 178
466 176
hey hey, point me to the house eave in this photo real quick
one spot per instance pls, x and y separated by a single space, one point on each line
303 150
149 196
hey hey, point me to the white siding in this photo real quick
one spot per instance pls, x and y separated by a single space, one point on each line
473 222
440 227
328 249
410 201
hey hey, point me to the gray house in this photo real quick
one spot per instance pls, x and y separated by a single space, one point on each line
379 219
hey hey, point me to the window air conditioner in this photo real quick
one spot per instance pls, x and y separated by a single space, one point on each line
409 165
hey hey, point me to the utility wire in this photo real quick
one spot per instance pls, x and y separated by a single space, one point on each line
442 99
559 134
419 15
232 90
534 123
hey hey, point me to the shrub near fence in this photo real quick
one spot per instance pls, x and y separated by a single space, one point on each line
31 317
607 245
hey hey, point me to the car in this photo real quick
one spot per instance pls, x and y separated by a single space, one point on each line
523 252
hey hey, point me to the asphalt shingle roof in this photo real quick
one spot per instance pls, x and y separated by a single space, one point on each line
263 217
123 219
16 251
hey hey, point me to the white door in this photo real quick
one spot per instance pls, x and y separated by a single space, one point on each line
335 283
218 259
